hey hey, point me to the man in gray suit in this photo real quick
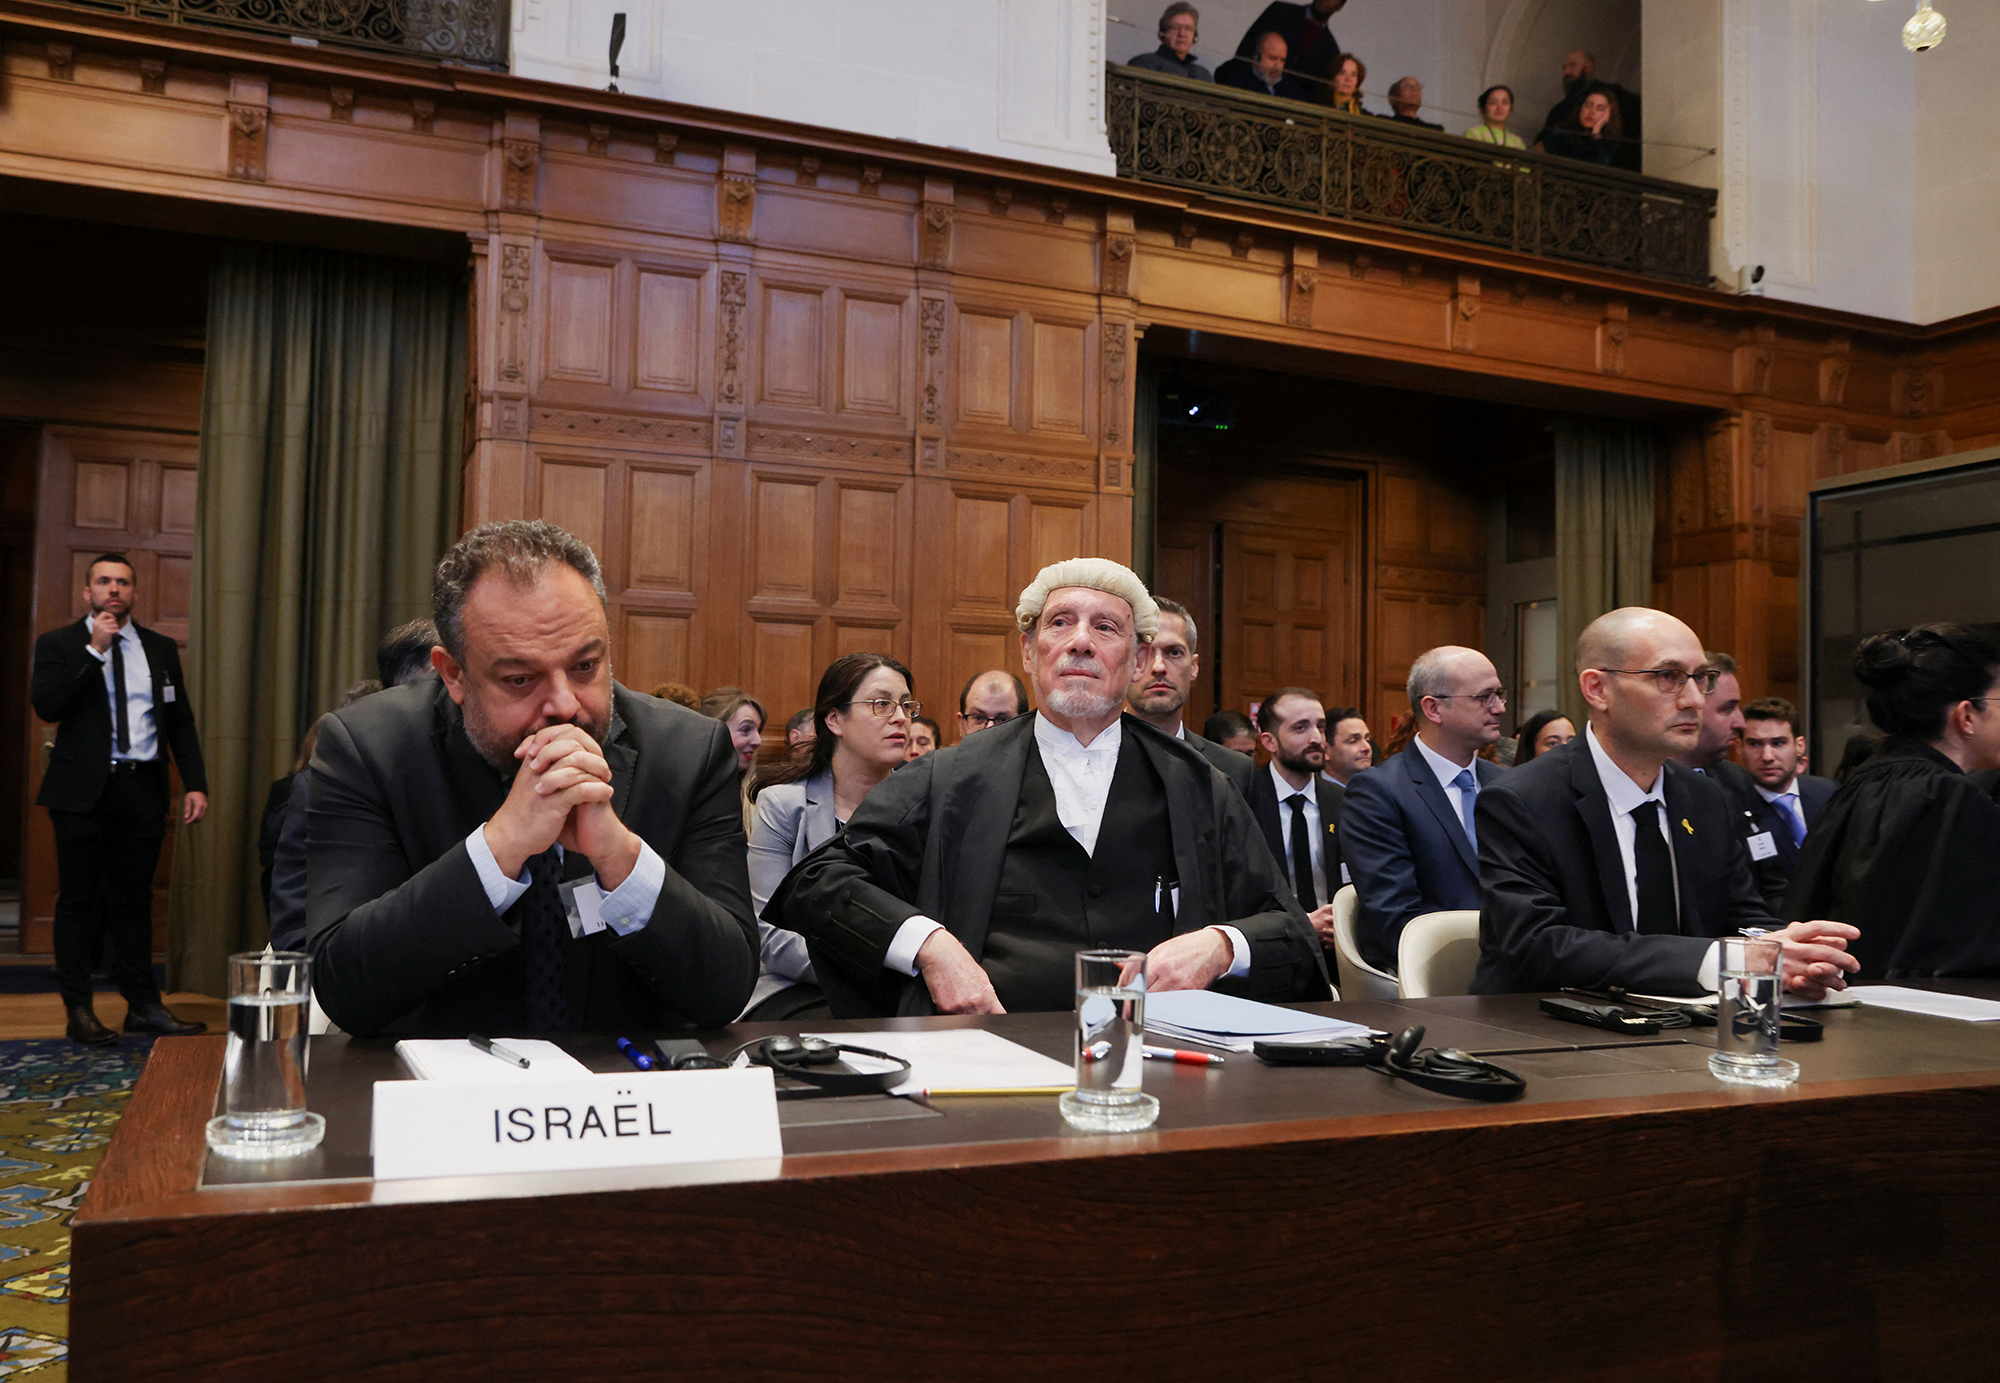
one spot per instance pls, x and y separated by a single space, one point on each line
1161 680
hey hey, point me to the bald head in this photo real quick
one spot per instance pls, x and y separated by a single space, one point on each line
1640 718
1611 640
1457 699
988 699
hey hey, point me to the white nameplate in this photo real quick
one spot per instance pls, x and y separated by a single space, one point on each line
427 1128
1762 847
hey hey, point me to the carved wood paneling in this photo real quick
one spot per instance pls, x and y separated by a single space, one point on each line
668 354
577 342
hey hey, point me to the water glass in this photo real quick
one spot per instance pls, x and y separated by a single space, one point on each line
1746 1012
264 1111
1110 1044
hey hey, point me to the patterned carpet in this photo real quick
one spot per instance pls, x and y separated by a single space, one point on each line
58 1103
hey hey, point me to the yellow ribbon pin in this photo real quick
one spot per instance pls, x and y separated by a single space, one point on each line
1685 827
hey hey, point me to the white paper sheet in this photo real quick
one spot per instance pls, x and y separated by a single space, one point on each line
958 1059
1958 1006
1235 1025
458 1061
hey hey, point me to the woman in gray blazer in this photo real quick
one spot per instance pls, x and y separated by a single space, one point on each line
861 719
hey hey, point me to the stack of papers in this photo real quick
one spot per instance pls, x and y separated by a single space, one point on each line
959 1061
461 1063
1959 1006
1235 1025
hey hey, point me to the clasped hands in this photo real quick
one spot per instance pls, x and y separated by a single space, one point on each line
959 984
562 796
1815 957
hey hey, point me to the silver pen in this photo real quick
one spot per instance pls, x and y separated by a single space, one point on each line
492 1048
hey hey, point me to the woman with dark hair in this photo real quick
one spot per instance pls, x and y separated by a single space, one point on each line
1908 849
1592 132
1343 89
1543 732
861 730
1496 103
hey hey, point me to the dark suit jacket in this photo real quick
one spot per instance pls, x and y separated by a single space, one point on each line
932 838
1264 806
1243 76
1239 769
1557 911
402 935
1310 60
1773 873
285 904
1406 849
68 689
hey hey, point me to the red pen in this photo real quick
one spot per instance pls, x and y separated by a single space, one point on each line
1184 1058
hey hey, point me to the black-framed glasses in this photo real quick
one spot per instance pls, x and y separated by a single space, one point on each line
1491 700
1670 680
884 707
979 720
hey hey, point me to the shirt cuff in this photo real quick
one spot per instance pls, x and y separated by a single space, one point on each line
1708 975
501 891
1239 947
629 907
103 657
910 938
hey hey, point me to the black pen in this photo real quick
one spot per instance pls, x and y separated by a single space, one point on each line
492 1048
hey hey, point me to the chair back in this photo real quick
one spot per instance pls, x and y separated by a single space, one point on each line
1438 953
1358 979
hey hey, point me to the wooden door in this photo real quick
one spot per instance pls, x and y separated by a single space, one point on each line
1184 569
105 490
1288 612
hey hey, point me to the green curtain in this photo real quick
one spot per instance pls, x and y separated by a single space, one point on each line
332 412
1604 530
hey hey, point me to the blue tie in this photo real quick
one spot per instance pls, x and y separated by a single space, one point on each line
1468 788
1793 818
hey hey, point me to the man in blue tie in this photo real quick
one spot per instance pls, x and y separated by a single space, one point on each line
1786 801
1406 827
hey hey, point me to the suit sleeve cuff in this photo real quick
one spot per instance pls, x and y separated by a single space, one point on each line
1239 950
501 891
629 907
910 938
1708 974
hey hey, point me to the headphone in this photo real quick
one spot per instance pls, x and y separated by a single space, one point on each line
1448 1071
805 1059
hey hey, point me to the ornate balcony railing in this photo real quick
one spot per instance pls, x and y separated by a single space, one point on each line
472 32
1232 143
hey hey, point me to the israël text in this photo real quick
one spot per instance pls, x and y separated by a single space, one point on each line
551 1123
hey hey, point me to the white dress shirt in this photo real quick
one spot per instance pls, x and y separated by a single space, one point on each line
1315 828
139 727
1795 807
626 909
1626 795
1446 771
1080 775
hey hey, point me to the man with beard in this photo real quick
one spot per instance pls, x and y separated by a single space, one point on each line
523 845
1161 680
1579 79
967 881
1407 827
1297 807
1604 862
116 695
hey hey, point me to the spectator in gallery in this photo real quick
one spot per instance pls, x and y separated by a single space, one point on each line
861 721
1579 79
680 693
1592 134
1406 98
1543 731
1311 49
988 699
1231 730
1343 93
1265 72
742 716
924 737
1496 104
1179 26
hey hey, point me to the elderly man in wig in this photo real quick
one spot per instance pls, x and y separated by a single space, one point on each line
968 880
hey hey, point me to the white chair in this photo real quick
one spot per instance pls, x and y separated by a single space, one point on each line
317 1023
1438 953
1358 979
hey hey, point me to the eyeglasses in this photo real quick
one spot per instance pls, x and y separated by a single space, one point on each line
883 707
1491 700
1670 680
979 720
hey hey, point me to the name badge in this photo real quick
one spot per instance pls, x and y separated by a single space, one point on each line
1345 877
167 692
583 904
426 1128
1762 847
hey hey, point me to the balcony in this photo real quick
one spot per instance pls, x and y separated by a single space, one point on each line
1230 143
469 32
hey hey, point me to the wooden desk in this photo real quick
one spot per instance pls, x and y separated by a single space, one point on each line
1630 1219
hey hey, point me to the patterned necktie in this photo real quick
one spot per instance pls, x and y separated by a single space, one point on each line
1468 789
1793 817
1302 859
542 927
1653 872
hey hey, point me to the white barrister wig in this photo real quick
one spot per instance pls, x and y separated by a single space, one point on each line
1093 573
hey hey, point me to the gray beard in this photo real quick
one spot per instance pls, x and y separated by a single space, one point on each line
1074 703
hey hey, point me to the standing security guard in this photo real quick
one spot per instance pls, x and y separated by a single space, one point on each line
117 694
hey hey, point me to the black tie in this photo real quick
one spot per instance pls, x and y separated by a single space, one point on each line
540 912
1302 855
1654 873
118 711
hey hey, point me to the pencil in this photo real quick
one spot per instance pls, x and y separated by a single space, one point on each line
1004 1090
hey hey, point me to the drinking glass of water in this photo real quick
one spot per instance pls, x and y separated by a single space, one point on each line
264 1070
1746 1012
1110 1044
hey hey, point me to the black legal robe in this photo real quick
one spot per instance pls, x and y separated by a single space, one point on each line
1908 851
